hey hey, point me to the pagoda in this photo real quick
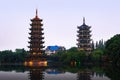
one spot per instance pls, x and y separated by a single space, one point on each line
84 38
36 42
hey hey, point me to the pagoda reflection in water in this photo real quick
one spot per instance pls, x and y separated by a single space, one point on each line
36 73
83 75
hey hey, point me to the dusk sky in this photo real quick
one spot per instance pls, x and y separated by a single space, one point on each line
60 20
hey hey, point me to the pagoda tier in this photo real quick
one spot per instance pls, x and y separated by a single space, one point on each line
39 50
84 37
84 27
35 47
84 31
35 33
41 42
35 38
36 29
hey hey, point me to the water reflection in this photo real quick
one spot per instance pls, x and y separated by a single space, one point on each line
113 72
54 71
36 73
83 75
60 73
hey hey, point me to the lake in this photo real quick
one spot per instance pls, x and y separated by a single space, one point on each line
59 73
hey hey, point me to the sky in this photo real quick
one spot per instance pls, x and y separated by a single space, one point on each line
60 21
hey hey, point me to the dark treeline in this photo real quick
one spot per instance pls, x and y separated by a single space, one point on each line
113 49
98 44
8 56
80 57
72 54
108 51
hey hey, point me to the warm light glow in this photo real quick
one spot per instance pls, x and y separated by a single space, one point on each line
42 63
25 63
30 63
39 53
45 62
81 49
34 53
39 63
73 63
35 63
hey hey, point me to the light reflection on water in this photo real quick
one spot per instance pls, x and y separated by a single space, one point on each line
51 73
62 76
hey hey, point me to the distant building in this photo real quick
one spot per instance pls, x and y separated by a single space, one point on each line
84 37
54 49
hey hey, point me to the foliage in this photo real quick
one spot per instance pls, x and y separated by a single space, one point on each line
97 54
66 57
71 54
100 44
9 56
113 49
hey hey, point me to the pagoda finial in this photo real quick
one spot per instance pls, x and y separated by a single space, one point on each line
36 13
83 20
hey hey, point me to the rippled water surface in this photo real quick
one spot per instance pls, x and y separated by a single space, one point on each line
57 73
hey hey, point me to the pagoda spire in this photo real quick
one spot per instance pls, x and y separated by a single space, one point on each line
36 16
83 20
36 13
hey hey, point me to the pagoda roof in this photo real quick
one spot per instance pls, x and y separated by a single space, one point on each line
36 16
84 25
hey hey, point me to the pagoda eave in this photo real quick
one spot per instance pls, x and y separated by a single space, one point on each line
33 33
36 19
36 46
34 24
41 29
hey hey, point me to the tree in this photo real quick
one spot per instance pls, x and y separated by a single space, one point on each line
92 45
8 56
73 54
100 44
97 54
73 49
113 49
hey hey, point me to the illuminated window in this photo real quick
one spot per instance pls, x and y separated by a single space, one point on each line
30 63
34 53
